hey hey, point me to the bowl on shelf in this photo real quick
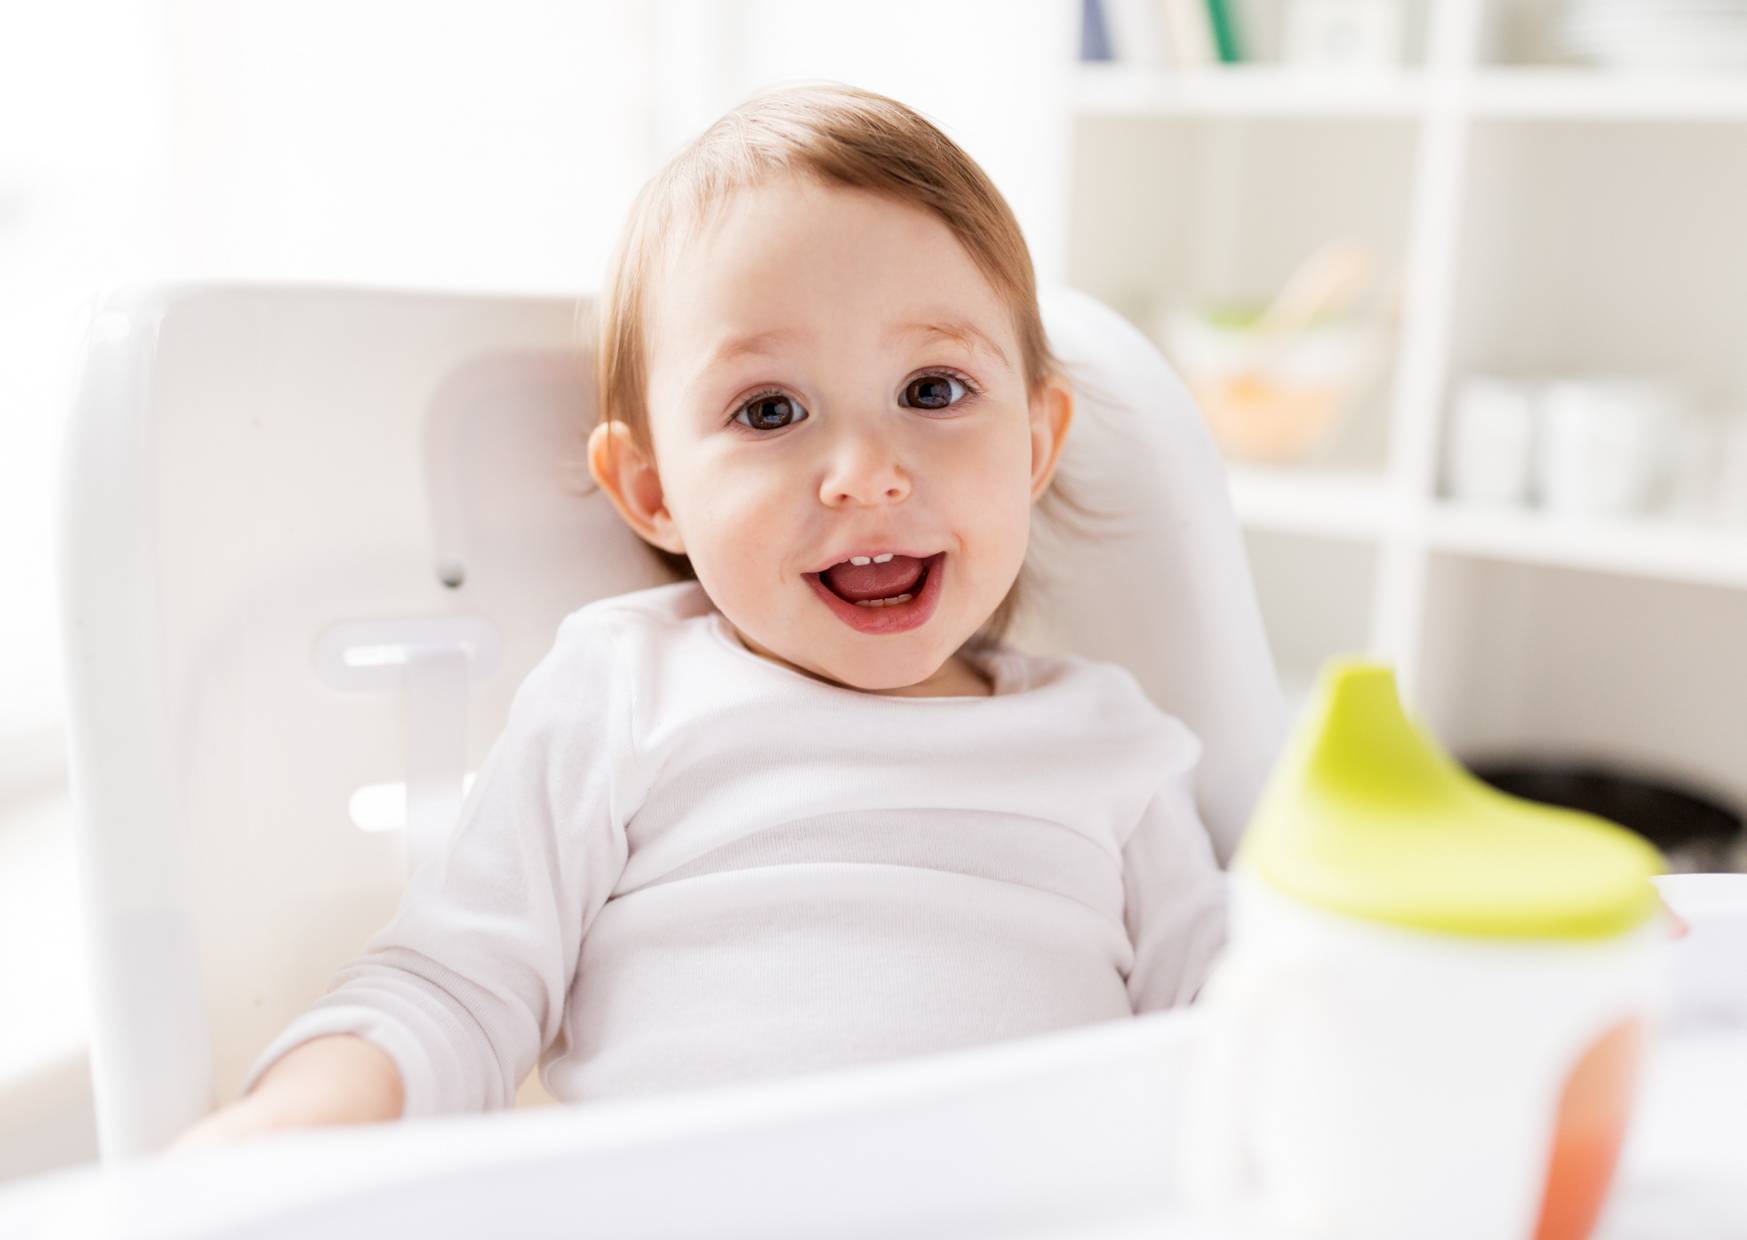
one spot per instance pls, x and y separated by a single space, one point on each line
1272 398
1695 832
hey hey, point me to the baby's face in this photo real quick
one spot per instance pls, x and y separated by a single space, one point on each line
829 373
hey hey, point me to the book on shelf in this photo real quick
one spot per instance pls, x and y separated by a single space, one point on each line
1173 34
1190 31
1222 19
1094 32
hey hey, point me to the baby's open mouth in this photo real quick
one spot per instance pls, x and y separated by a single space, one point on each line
890 584
882 600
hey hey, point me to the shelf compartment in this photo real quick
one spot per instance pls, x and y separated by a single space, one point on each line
1568 269
1526 34
1166 213
1543 662
1568 266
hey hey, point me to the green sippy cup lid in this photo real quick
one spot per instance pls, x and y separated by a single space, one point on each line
1364 814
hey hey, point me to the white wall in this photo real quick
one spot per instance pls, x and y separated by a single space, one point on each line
992 73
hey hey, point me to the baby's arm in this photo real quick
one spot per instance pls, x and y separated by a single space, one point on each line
336 1079
1175 895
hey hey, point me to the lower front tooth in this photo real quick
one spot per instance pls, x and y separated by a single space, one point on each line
886 602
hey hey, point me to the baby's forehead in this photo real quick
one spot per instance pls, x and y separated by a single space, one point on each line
696 220
740 272
791 213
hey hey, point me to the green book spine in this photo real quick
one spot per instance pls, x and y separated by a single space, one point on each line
1219 15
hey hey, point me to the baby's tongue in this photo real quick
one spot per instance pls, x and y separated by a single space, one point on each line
860 582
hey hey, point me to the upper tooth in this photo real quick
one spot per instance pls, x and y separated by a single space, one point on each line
878 559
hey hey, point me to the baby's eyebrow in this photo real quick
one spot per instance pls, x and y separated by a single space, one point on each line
959 330
764 343
760 343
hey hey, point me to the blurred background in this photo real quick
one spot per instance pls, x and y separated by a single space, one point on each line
1459 286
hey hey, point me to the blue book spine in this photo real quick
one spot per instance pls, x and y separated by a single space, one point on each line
1094 34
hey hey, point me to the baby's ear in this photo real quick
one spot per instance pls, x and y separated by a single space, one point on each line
630 481
1052 411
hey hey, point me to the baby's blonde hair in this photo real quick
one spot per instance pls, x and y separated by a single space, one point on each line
840 136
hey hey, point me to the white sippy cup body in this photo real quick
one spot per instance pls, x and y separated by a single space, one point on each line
1359 1081
1430 1015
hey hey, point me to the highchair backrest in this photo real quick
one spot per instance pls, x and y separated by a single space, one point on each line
314 537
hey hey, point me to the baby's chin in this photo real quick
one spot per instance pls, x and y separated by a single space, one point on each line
915 671
901 684
881 672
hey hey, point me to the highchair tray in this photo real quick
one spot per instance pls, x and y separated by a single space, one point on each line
1046 1134
1068 1134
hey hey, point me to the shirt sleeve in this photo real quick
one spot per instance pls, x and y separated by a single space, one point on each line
467 984
1174 892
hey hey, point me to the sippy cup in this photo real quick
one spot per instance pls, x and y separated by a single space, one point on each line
1430 1014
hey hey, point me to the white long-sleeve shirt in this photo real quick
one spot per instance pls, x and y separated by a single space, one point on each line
683 864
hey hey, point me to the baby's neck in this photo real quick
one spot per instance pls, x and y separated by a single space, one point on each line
959 678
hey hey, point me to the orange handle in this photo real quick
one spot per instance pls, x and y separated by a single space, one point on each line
1593 1109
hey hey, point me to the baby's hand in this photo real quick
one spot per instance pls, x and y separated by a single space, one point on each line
334 1079
238 1121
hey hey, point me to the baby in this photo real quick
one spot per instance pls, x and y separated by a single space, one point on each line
804 807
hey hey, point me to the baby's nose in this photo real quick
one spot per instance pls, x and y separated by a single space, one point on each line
865 470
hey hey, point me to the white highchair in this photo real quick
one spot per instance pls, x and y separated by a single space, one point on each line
314 537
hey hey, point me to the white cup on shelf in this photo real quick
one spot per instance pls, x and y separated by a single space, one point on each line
1728 498
1692 465
1606 443
1490 451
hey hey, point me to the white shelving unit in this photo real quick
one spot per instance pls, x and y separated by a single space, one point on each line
1542 218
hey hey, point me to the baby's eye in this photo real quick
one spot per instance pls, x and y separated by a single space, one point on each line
770 411
934 391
